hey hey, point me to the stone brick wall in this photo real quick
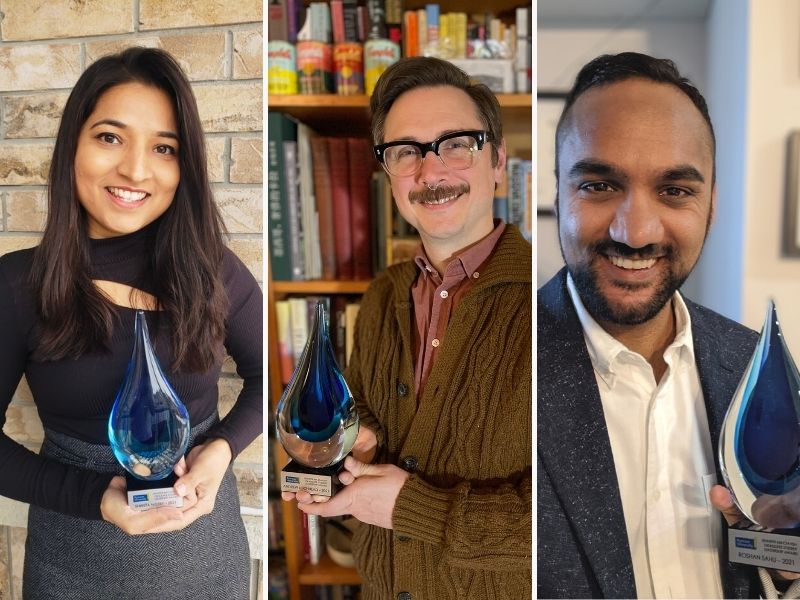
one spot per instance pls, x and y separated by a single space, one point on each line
44 47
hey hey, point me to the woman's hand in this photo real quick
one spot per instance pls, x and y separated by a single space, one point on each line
114 509
200 476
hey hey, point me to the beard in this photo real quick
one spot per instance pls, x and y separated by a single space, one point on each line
601 308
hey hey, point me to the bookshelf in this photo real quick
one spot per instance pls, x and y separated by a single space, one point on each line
340 116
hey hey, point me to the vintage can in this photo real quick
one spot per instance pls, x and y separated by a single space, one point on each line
314 67
281 68
348 66
378 55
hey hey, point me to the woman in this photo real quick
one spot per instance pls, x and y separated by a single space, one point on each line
132 225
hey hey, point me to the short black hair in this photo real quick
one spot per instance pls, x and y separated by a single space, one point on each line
613 68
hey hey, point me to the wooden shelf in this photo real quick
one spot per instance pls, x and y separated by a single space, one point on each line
328 572
332 101
319 286
329 114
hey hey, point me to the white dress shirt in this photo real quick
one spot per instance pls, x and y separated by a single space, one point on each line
663 460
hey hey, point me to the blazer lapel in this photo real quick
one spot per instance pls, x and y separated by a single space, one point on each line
574 445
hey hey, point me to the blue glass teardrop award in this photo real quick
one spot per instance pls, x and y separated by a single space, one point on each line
148 427
317 422
759 451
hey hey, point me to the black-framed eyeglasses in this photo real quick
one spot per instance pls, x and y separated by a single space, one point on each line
456 150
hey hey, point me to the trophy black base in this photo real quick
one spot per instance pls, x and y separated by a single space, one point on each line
143 495
296 477
772 548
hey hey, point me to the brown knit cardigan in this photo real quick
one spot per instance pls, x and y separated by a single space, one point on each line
462 522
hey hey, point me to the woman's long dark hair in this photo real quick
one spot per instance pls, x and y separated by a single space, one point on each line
188 249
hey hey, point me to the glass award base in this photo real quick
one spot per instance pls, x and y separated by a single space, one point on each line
143 495
324 481
771 548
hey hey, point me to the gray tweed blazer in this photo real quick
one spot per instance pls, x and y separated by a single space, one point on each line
581 540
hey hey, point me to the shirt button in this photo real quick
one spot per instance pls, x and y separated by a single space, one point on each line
404 596
475 275
435 343
443 294
402 389
409 463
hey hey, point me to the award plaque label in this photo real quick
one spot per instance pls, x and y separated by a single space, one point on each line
296 477
143 495
754 546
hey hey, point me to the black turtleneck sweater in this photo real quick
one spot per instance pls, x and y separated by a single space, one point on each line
75 396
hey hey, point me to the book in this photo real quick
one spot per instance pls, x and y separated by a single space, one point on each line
351 313
277 20
337 20
285 350
410 34
360 161
350 20
281 129
316 538
292 201
323 193
298 318
308 204
340 195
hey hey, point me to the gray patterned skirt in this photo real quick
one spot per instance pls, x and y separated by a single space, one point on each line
69 558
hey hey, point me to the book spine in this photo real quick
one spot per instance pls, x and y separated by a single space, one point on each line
337 21
411 34
340 194
359 162
285 351
422 31
350 20
293 208
377 20
315 539
322 191
432 24
308 206
298 314
278 20
278 219
351 314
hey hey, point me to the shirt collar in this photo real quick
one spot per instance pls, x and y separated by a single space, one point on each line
466 261
604 349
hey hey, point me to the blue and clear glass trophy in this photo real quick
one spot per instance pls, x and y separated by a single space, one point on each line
317 422
148 427
759 451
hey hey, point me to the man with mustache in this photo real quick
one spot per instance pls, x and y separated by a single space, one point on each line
633 378
441 368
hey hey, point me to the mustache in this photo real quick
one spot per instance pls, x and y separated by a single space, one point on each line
426 195
625 251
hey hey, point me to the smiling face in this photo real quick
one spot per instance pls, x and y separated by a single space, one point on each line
459 213
126 164
635 196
